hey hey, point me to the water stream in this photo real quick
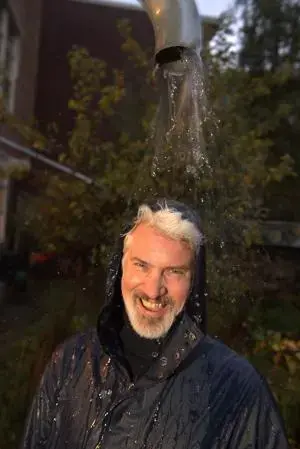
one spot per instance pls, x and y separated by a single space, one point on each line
181 157
180 126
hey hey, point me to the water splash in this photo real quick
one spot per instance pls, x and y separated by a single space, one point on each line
180 155
179 130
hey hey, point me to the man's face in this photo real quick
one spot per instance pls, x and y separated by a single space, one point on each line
156 280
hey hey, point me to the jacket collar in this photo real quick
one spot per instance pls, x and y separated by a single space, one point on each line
175 349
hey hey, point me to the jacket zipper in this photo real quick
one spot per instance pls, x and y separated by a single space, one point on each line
107 417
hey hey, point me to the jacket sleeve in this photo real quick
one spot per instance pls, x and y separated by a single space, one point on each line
259 424
40 424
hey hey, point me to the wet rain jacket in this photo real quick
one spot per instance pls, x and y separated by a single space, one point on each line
197 393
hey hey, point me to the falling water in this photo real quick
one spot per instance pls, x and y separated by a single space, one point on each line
179 129
180 158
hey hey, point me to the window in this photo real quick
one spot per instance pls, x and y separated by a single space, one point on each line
9 57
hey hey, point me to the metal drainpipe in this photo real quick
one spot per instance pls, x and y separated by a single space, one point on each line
176 25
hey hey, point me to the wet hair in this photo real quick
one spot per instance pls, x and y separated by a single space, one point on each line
169 222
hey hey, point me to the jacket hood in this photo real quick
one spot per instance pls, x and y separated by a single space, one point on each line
111 320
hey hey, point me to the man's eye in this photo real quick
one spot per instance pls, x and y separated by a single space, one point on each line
140 265
176 271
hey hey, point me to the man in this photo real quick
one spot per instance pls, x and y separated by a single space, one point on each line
150 377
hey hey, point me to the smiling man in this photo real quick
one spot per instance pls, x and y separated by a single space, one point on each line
150 377
157 276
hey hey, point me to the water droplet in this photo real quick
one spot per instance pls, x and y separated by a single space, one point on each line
103 394
192 336
163 361
93 424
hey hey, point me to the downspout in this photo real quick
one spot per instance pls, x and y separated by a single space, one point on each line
176 25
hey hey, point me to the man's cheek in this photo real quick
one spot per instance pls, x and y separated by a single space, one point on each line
131 280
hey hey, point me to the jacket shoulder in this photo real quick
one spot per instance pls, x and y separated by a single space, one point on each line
234 377
248 410
221 357
73 352
225 369
78 342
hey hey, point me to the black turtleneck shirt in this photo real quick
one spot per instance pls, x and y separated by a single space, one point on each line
139 352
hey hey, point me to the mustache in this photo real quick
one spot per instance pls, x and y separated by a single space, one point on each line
164 299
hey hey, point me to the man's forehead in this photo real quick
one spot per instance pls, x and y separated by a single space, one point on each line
148 244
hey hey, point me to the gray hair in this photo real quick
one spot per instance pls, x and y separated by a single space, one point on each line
170 223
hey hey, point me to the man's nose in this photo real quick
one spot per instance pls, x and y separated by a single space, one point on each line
155 286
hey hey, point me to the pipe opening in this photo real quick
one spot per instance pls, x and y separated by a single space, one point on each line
170 54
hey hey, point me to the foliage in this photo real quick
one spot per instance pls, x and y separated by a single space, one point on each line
270 48
244 169
270 34
274 348
244 139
